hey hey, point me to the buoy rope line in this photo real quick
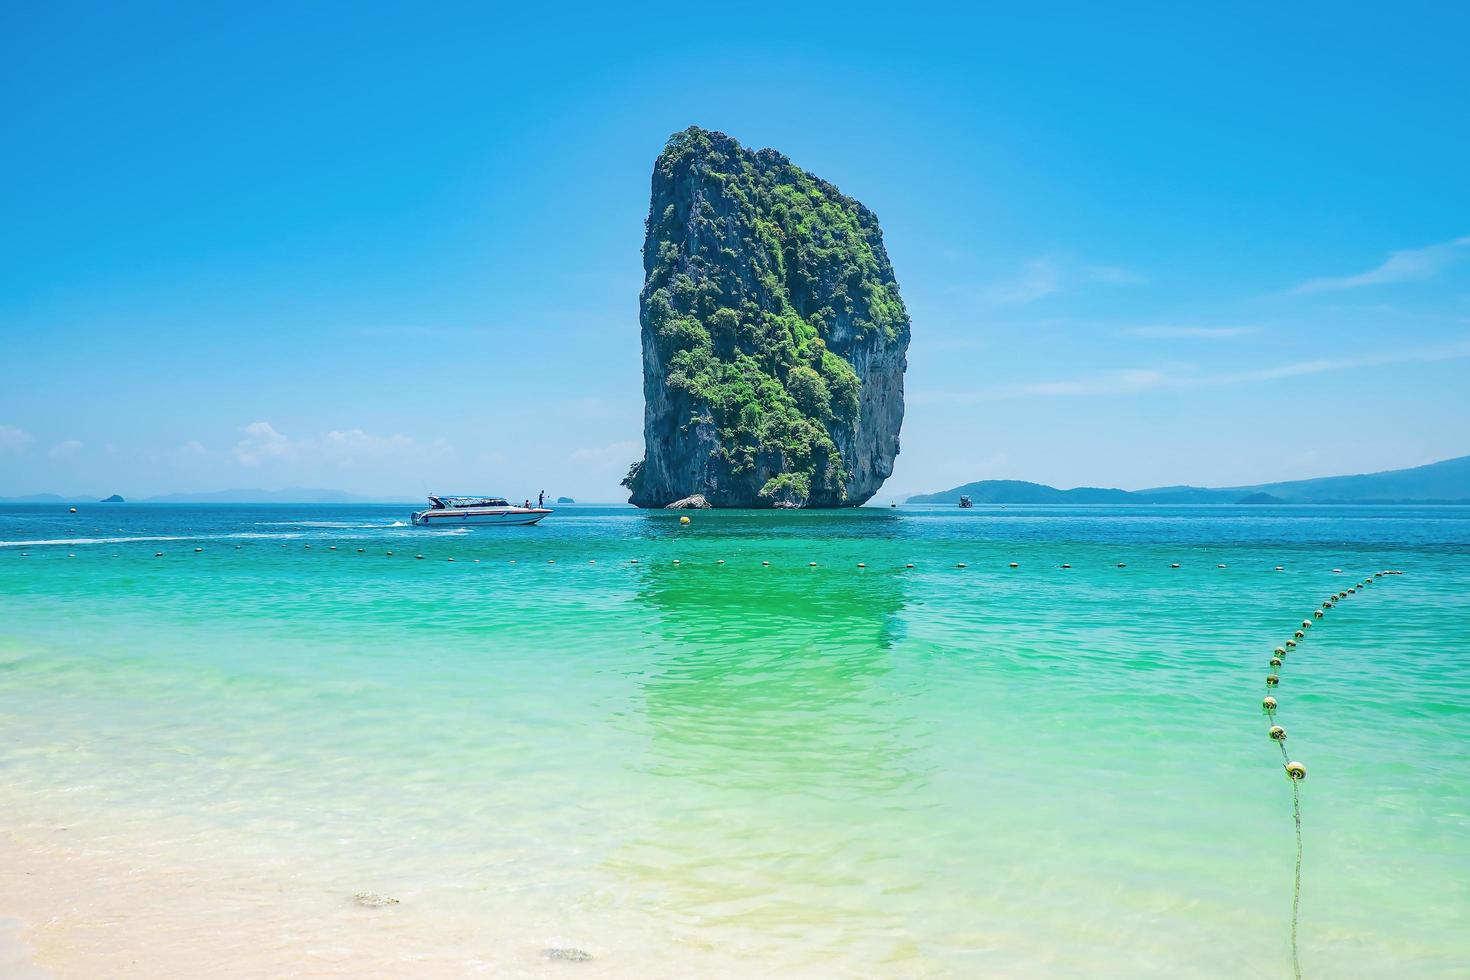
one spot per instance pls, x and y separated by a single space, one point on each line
961 566
1296 771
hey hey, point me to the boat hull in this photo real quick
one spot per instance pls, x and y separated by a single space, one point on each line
478 516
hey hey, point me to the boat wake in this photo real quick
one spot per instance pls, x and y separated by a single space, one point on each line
42 542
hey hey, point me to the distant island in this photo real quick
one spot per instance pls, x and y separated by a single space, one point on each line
1445 482
114 499
565 500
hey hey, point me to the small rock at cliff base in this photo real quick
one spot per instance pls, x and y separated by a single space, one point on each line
774 337
694 501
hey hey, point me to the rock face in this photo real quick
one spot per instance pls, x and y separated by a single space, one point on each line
774 338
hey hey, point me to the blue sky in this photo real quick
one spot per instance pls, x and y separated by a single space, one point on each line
390 248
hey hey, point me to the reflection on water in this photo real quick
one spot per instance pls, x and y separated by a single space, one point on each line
776 745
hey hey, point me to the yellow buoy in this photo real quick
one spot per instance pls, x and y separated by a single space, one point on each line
862 564
388 553
1015 564
73 510
684 519
720 562
1300 634
1277 733
1219 566
1280 569
1275 661
1272 680
1290 644
765 563
1296 770
1269 703
1337 571
1279 651
1306 624
812 564
419 557
676 561
551 561
197 550
449 559
959 565
1174 565
1317 614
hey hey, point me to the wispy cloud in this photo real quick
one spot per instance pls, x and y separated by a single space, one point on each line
1171 332
65 448
263 443
1134 380
1403 266
14 439
1038 278
1046 275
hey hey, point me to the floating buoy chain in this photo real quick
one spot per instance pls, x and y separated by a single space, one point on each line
1296 771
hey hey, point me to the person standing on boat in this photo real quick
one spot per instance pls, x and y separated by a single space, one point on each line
541 499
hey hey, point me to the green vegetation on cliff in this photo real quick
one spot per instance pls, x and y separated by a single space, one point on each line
753 279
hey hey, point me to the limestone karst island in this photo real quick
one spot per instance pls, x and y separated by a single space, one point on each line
774 338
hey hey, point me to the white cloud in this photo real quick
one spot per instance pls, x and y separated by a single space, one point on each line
14 439
65 448
1169 332
615 455
1046 275
342 448
1403 266
1038 278
1144 379
262 443
193 448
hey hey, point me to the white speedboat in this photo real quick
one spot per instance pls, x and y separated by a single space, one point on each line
462 511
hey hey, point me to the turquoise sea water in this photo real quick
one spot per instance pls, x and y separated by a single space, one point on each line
783 768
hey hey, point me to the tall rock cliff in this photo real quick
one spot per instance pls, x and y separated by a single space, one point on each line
774 338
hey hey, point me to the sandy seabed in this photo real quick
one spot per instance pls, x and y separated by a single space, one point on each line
72 907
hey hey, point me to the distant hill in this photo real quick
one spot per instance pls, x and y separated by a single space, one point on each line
114 499
290 495
1447 481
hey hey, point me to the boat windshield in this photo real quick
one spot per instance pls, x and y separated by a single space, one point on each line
456 502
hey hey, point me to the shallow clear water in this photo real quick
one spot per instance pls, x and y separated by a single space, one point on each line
828 770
